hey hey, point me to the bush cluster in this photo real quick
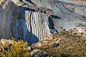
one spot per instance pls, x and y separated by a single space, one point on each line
15 50
54 45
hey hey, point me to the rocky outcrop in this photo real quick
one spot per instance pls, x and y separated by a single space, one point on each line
39 53
7 11
33 20
37 25
61 15
21 24
12 22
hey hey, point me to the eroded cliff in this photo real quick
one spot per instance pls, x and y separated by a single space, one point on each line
32 20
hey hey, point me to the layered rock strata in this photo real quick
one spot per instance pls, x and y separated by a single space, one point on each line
32 22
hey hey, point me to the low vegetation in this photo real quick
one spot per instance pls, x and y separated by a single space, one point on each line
54 45
15 50
64 44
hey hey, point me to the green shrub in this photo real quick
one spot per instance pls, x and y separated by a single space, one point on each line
16 50
81 33
75 33
54 45
66 32
55 35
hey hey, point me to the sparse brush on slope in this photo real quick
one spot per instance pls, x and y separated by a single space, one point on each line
64 44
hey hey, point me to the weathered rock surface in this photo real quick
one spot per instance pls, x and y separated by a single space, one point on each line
11 21
33 20
37 24
39 53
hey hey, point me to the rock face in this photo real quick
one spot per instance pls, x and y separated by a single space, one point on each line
6 17
37 25
33 20
11 20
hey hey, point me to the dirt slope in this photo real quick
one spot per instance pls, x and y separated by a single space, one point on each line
64 44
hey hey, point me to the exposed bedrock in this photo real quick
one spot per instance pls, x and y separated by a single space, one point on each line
12 20
21 22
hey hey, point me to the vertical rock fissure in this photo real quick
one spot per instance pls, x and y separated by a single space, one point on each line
30 34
